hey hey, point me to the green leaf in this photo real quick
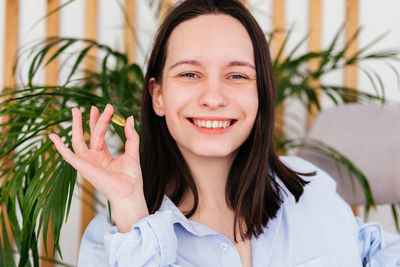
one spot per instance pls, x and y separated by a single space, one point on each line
6 253
395 217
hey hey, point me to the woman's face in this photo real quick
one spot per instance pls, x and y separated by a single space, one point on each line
208 93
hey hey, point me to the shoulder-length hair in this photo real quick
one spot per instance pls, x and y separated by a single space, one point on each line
252 190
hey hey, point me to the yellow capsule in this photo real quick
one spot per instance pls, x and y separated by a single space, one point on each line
118 120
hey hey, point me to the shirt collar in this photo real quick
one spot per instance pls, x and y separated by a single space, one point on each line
179 218
199 229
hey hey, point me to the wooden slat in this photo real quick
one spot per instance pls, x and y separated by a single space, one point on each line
244 2
52 30
352 24
10 41
165 6
278 23
129 29
10 52
51 78
91 17
351 72
315 40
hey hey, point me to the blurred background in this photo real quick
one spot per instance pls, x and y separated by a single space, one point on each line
26 22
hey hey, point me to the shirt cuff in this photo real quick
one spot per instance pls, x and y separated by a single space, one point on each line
378 248
151 241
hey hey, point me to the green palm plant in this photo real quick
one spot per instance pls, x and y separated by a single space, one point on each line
38 184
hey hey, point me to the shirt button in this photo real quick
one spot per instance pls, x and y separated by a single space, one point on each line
223 246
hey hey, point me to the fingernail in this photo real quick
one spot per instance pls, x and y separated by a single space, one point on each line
51 136
132 122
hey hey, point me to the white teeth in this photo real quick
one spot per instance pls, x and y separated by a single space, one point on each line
212 124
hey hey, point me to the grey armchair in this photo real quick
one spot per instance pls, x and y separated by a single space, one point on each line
369 135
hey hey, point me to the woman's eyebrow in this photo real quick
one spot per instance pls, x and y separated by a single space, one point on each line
196 63
241 63
185 61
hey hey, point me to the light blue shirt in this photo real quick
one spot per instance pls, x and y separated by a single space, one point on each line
318 231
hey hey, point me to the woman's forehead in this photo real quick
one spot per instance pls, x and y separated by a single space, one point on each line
212 36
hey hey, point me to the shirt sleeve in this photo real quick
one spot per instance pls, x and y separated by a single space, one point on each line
378 248
151 242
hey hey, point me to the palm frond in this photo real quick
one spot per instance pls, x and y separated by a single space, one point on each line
292 76
341 162
395 214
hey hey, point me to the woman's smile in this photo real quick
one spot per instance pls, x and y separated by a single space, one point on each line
212 125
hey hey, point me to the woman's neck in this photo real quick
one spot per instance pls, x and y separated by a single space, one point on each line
210 176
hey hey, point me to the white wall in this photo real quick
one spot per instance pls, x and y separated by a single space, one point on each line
380 17
376 17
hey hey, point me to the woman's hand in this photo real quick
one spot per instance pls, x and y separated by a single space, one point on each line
118 179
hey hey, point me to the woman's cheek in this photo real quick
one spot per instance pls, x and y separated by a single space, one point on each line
247 98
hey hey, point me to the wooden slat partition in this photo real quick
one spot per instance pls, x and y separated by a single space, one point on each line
129 30
352 25
91 17
315 40
278 23
10 53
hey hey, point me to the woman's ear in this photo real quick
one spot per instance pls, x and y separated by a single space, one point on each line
155 92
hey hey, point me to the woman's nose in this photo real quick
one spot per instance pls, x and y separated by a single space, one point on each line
213 95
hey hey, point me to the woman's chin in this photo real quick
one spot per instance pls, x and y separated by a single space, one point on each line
214 152
207 151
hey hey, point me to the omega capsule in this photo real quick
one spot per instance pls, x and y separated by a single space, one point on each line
118 120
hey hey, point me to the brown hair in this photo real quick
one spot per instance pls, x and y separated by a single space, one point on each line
252 190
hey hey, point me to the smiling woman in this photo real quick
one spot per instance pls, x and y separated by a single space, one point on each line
207 189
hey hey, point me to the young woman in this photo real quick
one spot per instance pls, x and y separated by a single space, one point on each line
208 188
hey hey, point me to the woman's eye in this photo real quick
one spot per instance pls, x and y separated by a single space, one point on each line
237 76
189 75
